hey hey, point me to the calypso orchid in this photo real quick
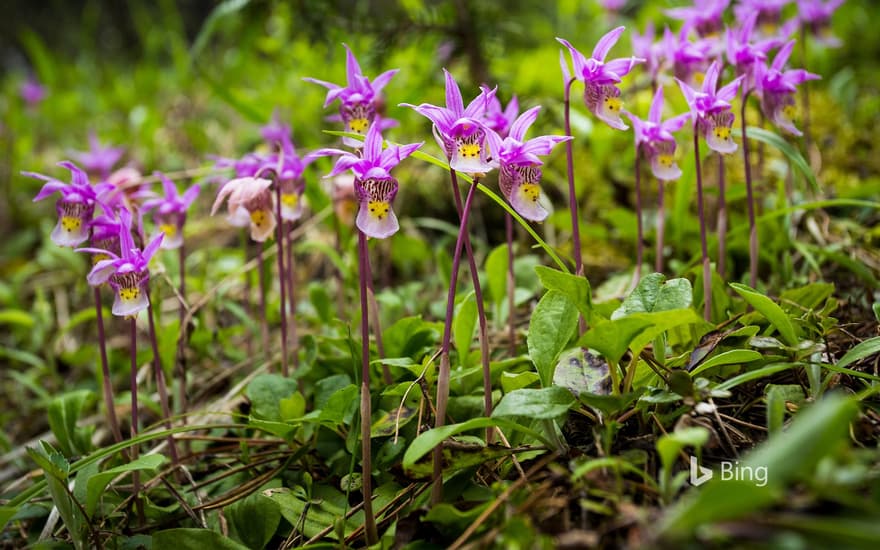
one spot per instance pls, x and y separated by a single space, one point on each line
75 208
656 140
777 88
646 48
705 16
170 211
498 119
288 167
459 130
600 78
744 52
32 92
99 160
687 59
359 99
374 185
249 197
768 13
815 15
127 272
711 109
519 173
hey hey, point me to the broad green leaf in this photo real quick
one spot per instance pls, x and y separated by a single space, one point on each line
553 323
769 309
320 300
452 521
580 371
669 445
655 293
426 441
64 411
97 483
254 519
777 396
860 351
731 357
577 289
463 326
545 403
194 539
635 331
390 422
266 392
811 296
16 317
309 517
514 381
6 514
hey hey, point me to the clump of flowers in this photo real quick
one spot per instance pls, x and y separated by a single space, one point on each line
600 77
360 99
711 109
99 160
776 88
655 138
705 16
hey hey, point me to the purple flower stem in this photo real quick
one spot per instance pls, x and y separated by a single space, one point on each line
105 370
291 297
370 531
184 333
264 323
704 248
661 226
159 373
640 237
511 284
572 198
373 312
282 278
135 475
722 217
481 310
443 373
750 199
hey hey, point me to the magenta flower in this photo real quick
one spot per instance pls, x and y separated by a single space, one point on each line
705 16
498 119
711 110
519 172
777 88
768 12
170 211
686 58
600 78
359 100
250 199
652 52
612 5
275 131
816 16
105 231
744 53
127 272
656 139
99 160
32 92
288 168
374 185
75 208
460 131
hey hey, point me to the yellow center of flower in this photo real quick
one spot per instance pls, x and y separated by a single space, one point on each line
699 77
790 112
722 132
378 209
99 258
259 217
169 229
469 150
613 104
289 199
358 125
70 223
530 191
129 294
665 160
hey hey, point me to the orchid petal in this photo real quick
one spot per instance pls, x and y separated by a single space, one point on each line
453 95
606 42
577 58
522 123
656 110
382 80
782 56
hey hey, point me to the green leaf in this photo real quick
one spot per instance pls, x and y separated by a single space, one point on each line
513 381
777 396
553 323
224 9
496 273
613 337
860 351
266 392
450 520
64 411
545 403
769 309
194 539
310 517
97 483
426 441
767 370
320 300
16 317
731 357
6 514
655 293
577 289
254 519
787 149
581 371
669 445
463 326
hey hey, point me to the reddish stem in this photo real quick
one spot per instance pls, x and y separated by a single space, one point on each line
282 278
661 226
107 382
370 531
704 248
